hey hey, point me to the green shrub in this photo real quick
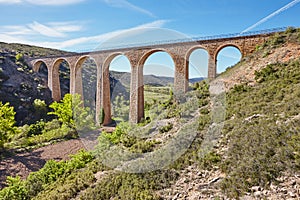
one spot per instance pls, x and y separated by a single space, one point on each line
116 136
67 188
204 111
209 160
165 128
267 73
40 108
290 29
38 181
64 111
142 146
7 123
19 57
277 39
15 189
70 111
52 170
126 186
261 136
36 129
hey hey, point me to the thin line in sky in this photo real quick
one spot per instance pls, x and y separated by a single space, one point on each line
128 5
291 4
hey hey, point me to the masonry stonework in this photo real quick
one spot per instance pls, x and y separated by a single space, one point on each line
137 56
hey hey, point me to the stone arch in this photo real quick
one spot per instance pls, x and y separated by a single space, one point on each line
147 54
56 90
106 94
188 55
190 51
234 45
140 79
77 85
37 64
227 45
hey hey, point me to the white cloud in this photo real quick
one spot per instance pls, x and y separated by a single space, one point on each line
67 26
16 30
45 30
126 4
53 2
72 44
104 37
42 2
10 1
53 29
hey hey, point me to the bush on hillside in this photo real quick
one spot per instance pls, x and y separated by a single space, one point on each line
7 123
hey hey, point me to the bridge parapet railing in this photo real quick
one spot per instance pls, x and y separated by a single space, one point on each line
194 39
176 41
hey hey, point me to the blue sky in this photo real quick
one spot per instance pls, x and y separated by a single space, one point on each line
78 25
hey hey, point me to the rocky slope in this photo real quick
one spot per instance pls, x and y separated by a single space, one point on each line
20 87
205 184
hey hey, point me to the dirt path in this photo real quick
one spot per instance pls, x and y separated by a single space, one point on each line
23 163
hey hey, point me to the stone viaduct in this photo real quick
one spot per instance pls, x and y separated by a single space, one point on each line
137 56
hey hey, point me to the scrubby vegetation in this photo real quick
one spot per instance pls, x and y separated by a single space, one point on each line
40 181
262 128
71 117
31 51
7 123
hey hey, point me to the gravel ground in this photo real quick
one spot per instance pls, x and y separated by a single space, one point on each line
22 164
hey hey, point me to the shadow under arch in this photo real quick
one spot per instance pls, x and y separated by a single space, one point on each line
42 69
38 64
55 78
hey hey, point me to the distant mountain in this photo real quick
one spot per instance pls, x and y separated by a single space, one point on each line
194 80
124 78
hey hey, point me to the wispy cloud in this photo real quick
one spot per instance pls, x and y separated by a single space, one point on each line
99 39
42 2
45 30
54 29
72 44
127 5
291 4
10 1
70 26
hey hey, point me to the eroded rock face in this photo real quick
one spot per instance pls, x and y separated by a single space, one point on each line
20 87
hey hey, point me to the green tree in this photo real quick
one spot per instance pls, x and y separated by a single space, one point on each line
71 112
40 108
7 123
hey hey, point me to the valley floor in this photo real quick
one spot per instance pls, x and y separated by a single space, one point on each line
22 164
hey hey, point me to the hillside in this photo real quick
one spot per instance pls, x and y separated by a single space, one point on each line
124 78
237 137
30 51
19 85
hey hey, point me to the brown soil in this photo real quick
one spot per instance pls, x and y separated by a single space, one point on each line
22 164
